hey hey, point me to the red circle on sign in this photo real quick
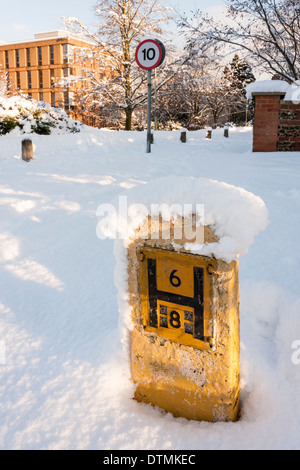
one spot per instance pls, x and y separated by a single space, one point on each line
157 62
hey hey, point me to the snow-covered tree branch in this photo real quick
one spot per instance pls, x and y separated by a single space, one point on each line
267 30
117 80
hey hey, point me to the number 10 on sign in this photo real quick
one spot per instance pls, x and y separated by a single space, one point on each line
149 55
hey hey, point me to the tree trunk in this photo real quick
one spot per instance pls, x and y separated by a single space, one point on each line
128 122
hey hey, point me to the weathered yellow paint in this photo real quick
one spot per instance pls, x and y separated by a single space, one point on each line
182 383
188 377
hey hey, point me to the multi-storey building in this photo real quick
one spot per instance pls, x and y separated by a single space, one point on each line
36 68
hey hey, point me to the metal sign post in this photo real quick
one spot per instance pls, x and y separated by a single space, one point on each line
149 113
149 55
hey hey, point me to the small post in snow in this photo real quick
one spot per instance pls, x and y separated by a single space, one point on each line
183 136
27 150
209 133
226 131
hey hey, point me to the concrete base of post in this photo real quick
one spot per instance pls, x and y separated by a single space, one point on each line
27 150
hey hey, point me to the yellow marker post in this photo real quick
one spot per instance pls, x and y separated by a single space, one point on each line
185 337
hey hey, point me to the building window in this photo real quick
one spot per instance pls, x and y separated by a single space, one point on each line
29 96
68 72
29 83
53 99
6 60
18 81
66 99
17 58
52 78
28 57
40 56
65 53
41 96
51 55
40 79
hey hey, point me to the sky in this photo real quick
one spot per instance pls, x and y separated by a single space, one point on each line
21 20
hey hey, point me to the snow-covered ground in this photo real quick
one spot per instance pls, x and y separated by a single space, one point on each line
64 380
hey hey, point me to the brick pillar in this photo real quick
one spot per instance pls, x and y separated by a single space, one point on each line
266 122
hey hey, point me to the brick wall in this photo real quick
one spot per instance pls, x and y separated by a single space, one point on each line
276 124
289 127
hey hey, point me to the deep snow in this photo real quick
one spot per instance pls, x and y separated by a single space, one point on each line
64 381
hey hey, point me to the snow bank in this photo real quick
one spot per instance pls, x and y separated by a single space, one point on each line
291 91
65 384
19 115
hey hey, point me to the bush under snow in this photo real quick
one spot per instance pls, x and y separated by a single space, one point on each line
23 116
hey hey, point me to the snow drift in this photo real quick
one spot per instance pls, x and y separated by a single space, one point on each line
64 384
20 115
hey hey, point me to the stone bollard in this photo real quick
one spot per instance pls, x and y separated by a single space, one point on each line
183 136
27 150
209 133
226 131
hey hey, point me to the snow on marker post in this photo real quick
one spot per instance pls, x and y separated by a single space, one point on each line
149 54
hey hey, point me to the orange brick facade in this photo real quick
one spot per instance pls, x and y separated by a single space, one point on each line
36 67
276 124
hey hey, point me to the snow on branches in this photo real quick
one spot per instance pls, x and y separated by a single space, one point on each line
267 30
117 82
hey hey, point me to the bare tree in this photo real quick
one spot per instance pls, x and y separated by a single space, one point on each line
268 30
217 98
183 98
116 79
204 92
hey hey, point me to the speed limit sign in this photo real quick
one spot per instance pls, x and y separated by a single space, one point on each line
150 54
